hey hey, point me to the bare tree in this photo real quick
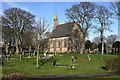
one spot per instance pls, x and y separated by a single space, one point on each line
110 40
115 6
41 28
19 20
96 40
103 16
81 14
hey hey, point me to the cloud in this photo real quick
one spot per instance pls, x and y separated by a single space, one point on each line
12 4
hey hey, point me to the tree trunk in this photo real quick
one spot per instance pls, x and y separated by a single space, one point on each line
82 43
23 52
102 42
21 49
6 48
30 51
82 48
16 44
37 57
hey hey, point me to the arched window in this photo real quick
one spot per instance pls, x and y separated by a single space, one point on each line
53 43
58 43
65 43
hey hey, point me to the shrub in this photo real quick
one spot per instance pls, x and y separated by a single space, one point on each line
16 76
112 64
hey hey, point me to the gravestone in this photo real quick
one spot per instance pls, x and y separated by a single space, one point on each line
20 57
72 66
40 56
7 58
88 57
65 53
29 54
54 63
45 53
100 58
34 53
23 53
56 53
75 57
72 59
17 59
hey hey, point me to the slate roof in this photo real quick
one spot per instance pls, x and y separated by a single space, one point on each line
62 30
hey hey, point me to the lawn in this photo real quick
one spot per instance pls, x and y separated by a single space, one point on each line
82 66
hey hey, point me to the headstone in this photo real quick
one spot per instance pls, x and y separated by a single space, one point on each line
72 58
74 61
34 53
54 63
23 53
72 66
29 54
100 58
10 52
40 56
4 56
55 53
52 57
88 57
7 58
20 57
65 53
17 59
75 57
45 53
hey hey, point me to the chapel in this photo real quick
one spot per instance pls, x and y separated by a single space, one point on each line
59 39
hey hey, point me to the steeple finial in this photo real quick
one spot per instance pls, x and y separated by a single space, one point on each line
56 15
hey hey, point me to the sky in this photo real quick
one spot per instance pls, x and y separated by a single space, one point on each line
48 10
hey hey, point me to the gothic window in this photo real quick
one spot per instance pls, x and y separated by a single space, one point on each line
59 44
65 43
53 42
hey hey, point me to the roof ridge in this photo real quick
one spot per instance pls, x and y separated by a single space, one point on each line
64 23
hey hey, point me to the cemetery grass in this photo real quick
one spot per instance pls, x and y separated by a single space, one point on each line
82 66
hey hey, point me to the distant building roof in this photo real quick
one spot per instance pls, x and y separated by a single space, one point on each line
62 30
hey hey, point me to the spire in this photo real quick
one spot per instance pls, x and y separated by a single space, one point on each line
55 21
55 16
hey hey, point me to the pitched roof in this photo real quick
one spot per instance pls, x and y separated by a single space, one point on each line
62 30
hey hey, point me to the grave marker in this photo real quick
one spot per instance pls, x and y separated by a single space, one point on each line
88 57
20 57
100 58
45 53
72 66
54 64
72 59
